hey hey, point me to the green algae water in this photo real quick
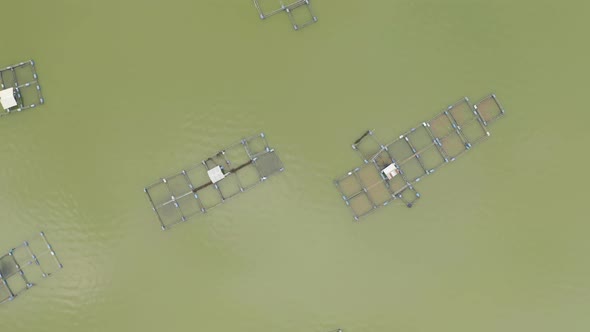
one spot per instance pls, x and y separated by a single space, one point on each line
137 90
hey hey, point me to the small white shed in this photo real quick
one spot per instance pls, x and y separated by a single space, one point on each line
390 171
7 98
216 174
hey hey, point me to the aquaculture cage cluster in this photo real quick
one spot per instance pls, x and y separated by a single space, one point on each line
227 173
300 12
390 170
23 266
19 88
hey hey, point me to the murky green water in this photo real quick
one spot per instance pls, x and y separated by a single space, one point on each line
136 90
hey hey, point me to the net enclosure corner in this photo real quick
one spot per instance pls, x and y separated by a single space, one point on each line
22 267
300 12
201 187
391 170
19 88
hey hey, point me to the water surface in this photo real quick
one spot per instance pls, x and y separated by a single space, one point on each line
136 90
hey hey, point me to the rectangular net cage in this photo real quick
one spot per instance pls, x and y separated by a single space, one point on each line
199 188
19 88
390 170
489 109
300 12
25 265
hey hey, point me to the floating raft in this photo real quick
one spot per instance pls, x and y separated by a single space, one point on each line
390 170
300 12
19 88
198 189
24 265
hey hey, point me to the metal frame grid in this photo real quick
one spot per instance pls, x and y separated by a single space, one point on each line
245 164
436 142
364 189
290 10
457 129
23 78
420 151
407 155
16 276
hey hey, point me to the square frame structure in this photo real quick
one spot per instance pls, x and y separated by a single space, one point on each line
304 6
23 78
367 145
489 109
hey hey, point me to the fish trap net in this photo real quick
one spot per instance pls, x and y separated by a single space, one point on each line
393 168
22 81
225 174
25 265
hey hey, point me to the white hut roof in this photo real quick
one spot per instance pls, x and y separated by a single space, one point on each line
215 174
7 98
390 171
